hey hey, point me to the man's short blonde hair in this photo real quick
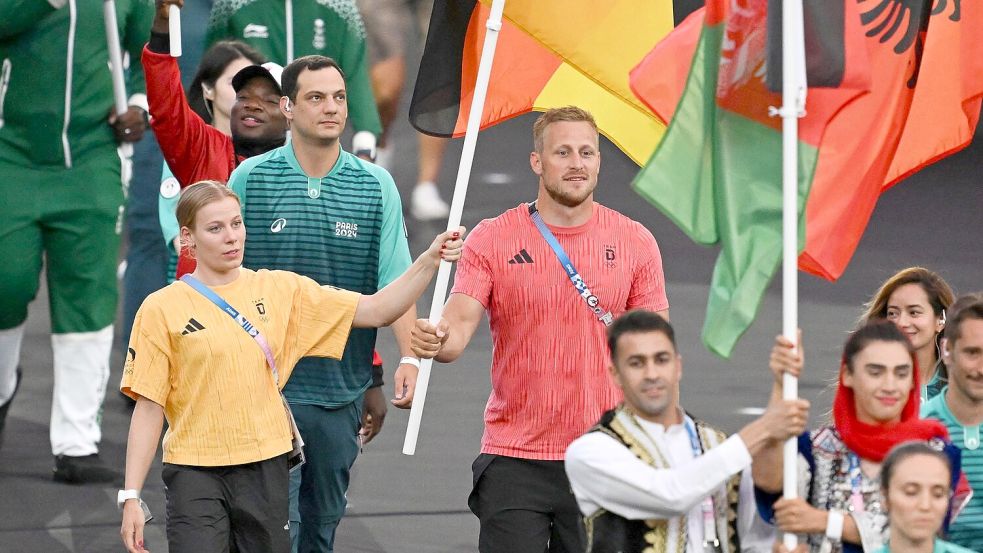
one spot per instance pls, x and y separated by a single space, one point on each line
554 115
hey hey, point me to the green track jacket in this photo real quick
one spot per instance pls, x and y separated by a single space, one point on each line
330 28
56 88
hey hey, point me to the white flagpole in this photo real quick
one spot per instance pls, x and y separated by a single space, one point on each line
493 25
116 65
793 107
174 29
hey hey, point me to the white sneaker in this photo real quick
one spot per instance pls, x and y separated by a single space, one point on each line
426 203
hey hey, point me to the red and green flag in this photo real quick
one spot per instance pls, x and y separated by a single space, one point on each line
717 172
550 53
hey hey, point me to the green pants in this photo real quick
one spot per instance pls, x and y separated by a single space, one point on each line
70 218
317 489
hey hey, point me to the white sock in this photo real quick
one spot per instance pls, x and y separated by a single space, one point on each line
81 362
10 341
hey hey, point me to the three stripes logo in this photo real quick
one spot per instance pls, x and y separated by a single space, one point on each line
192 326
521 258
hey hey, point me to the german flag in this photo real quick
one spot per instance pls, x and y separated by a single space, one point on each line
550 53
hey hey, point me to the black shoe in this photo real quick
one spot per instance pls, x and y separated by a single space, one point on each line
6 406
88 469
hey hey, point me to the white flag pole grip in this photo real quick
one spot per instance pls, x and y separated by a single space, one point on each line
116 64
493 25
174 29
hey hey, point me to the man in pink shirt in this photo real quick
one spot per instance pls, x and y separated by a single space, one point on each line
548 319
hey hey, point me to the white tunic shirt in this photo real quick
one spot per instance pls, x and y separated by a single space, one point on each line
604 474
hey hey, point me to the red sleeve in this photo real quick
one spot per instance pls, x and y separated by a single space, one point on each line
474 275
193 149
648 286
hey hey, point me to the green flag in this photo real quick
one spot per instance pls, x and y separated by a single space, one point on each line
718 171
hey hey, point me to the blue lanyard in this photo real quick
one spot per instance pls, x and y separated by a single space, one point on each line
710 540
239 319
606 317
694 441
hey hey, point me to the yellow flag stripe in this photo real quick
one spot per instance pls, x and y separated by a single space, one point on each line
603 40
633 130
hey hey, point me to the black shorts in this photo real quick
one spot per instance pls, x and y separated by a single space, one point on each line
238 508
524 506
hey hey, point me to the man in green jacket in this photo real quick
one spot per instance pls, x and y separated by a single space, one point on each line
284 30
62 183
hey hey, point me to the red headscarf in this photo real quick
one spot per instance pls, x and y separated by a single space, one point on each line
874 441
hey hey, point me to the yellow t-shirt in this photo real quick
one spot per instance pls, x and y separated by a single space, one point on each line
211 377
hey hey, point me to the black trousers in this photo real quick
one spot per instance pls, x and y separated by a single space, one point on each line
239 508
524 506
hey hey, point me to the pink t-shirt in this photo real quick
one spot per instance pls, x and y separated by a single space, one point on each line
549 369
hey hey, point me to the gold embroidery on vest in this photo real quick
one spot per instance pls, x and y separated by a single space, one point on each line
658 536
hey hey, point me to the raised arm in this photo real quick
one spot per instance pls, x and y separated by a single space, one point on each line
390 303
768 463
605 473
192 149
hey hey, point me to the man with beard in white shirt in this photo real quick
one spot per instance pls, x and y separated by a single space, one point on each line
649 477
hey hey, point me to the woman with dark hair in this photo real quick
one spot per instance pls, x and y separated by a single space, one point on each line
917 479
916 299
839 505
210 96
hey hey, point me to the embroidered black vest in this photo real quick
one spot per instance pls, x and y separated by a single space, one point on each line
611 533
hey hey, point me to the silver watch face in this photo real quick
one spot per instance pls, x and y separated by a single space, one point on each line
147 517
124 495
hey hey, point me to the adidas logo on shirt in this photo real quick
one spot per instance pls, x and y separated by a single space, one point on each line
192 326
521 258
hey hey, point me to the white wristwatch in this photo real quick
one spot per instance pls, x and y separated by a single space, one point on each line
125 495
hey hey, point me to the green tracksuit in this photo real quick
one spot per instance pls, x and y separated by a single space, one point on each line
330 28
61 183
60 172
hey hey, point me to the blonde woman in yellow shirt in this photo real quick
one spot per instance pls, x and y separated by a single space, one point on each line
216 379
